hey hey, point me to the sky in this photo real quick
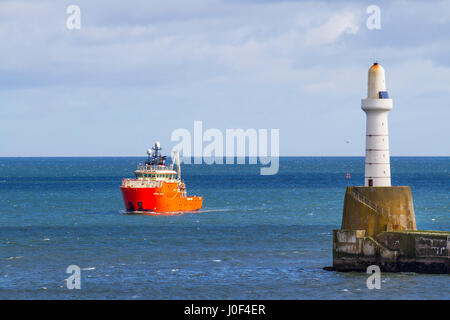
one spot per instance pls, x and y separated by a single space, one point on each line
137 70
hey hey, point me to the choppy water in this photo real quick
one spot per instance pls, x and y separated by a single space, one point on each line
257 237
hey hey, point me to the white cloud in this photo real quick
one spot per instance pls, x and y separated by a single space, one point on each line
333 29
212 58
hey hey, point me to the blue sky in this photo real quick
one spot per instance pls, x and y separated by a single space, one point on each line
137 70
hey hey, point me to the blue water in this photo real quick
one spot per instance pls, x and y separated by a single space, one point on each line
257 237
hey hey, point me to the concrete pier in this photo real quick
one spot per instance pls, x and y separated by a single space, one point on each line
379 228
396 251
378 209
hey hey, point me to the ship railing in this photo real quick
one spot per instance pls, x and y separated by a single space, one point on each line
134 182
149 167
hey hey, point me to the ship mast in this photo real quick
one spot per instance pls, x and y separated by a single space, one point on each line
158 159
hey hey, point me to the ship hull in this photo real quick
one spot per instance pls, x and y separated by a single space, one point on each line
166 198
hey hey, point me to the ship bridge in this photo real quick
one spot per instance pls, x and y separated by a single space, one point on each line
155 172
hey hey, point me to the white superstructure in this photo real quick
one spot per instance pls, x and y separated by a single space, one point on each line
376 106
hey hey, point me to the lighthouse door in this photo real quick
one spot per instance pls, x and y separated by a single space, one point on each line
370 183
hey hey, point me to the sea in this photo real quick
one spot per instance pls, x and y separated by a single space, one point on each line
256 237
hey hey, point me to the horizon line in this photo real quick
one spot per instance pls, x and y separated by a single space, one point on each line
246 157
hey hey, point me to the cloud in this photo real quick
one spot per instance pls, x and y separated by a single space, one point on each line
287 64
209 44
333 29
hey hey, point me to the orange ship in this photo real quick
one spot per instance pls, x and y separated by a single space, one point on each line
157 187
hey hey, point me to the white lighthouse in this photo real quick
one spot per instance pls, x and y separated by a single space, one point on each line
376 106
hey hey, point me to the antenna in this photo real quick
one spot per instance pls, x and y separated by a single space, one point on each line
157 148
